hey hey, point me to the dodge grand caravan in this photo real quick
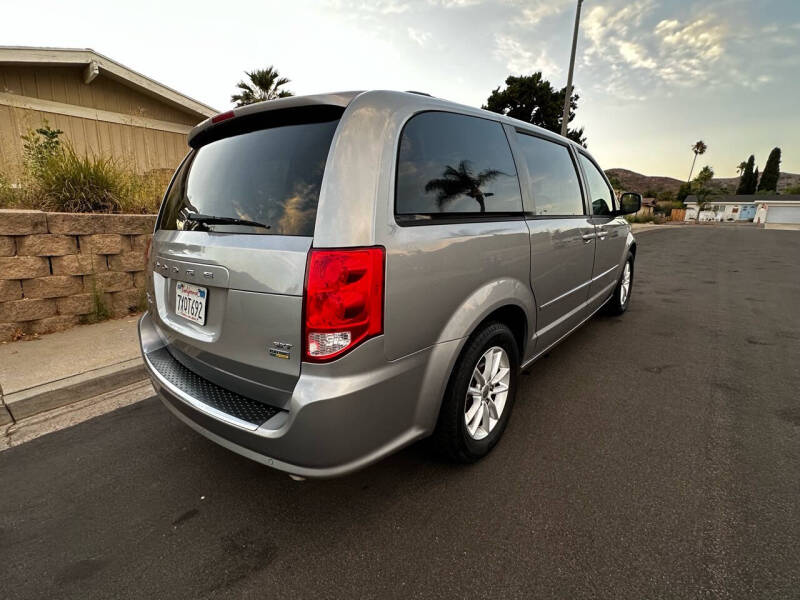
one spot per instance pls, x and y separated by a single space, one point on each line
335 276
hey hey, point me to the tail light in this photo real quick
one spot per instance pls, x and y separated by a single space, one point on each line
343 303
224 116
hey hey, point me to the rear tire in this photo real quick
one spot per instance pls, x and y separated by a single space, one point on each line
480 395
621 298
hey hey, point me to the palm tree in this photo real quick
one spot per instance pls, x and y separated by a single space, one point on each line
264 85
698 148
461 181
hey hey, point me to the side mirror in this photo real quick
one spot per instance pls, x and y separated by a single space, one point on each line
629 203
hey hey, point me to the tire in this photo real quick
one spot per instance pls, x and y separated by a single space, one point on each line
453 437
621 298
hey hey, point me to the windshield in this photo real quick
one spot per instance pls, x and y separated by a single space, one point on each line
269 176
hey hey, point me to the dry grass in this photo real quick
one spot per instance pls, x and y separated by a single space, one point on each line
57 178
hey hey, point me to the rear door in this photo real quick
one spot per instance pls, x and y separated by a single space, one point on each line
562 236
612 232
228 296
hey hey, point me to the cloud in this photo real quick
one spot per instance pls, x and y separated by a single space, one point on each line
420 37
531 15
635 55
672 53
455 3
519 60
383 7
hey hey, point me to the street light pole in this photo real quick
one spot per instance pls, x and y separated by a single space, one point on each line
565 117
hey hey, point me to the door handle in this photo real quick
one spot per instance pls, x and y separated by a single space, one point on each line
588 237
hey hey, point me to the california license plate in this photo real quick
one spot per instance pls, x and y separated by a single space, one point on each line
190 302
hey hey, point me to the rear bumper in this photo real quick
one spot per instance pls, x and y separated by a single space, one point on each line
342 416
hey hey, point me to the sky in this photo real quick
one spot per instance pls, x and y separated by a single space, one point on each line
654 76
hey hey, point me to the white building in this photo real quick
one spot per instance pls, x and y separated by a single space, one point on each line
782 213
722 208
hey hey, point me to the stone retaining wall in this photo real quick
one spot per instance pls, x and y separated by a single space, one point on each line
57 269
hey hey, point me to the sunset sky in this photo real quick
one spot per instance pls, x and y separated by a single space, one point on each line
653 76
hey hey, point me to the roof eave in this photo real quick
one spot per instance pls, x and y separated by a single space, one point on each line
22 55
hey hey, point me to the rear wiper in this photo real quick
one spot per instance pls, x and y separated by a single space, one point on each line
212 220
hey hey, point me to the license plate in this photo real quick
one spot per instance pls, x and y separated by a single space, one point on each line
190 302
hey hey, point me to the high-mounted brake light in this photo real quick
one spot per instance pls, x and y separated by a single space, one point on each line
343 303
222 116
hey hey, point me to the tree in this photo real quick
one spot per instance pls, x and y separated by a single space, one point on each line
698 148
683 192
531 98
740 169
701 189
461 181
772 171
264 85
747 180
615 181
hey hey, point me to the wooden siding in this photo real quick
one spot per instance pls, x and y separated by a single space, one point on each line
144 145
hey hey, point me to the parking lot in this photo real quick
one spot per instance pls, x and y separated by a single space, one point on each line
650 455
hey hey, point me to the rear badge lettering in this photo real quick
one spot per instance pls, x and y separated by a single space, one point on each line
281 350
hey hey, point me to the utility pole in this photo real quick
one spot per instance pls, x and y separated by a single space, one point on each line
565 117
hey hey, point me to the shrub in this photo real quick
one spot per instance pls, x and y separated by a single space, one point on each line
57 178
639 218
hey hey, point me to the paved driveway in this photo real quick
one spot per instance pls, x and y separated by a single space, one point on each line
653 455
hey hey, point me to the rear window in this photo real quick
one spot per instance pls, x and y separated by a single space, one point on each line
451 164
269 176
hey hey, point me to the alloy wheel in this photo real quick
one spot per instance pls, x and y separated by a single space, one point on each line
487 393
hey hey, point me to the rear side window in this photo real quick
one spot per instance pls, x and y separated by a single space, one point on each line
452 164
269 176
552 176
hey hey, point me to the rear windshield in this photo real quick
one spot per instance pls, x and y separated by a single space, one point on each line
269 176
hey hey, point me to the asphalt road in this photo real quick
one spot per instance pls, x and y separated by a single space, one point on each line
653 455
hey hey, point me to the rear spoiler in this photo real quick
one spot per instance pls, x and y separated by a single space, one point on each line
262 115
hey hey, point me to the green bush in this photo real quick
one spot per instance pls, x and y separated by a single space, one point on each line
57 178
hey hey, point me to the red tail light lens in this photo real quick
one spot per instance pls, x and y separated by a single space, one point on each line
222 116
343 302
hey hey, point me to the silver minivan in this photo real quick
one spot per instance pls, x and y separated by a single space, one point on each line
333 277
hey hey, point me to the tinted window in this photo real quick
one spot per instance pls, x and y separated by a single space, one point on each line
452 163
602 200
270 176
553 179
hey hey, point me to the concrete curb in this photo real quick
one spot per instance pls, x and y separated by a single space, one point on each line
55 394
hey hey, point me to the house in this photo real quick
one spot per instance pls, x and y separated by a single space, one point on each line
722 208
778 212
102 107
648 206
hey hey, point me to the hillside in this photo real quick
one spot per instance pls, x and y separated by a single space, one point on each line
636 182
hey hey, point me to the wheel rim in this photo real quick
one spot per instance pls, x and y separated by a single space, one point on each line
625 286
487 393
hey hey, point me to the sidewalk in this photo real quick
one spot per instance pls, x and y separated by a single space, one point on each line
64 368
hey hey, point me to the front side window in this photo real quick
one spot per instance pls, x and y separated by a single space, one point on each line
552 177
268 176
600 195
455 165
